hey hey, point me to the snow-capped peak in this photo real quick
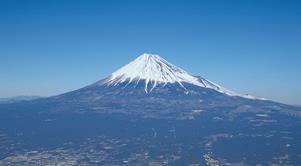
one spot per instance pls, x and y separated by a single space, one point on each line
155 70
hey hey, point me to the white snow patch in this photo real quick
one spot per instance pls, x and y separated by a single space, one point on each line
198 111
262 115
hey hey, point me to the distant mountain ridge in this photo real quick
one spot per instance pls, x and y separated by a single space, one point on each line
18 98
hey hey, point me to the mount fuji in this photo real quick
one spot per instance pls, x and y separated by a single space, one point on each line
152 86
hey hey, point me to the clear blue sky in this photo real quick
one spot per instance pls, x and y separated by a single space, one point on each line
249 46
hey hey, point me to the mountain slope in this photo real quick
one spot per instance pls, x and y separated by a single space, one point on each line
151 84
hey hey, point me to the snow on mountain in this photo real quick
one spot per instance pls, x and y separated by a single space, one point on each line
155 70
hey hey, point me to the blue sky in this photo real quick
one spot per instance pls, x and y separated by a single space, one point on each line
250 46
